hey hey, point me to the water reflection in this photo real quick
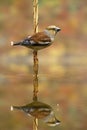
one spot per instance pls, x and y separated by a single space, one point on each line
69 91
39 110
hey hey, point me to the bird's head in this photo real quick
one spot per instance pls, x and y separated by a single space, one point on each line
53 122
53 29
51 119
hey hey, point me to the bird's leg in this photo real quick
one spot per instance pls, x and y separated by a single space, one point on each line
35 80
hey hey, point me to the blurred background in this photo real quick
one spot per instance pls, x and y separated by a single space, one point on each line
62 66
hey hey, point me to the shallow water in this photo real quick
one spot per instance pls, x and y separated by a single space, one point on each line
63 83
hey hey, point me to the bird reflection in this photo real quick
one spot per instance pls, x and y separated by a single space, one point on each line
39 110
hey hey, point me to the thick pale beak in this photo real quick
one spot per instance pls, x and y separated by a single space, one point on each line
54 122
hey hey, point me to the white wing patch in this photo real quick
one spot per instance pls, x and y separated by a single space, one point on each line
43 43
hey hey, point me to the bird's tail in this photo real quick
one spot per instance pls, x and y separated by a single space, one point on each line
16 107
15 44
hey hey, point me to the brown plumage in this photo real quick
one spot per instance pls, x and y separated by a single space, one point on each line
39 37
39 110
39 40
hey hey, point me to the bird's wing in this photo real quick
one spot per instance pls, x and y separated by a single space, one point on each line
40 38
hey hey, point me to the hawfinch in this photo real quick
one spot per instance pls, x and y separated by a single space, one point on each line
39 110
39 40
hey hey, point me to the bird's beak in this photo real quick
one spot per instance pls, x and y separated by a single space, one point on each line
58 29
54 122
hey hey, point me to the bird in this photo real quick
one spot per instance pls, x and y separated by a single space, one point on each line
39 110
39 40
